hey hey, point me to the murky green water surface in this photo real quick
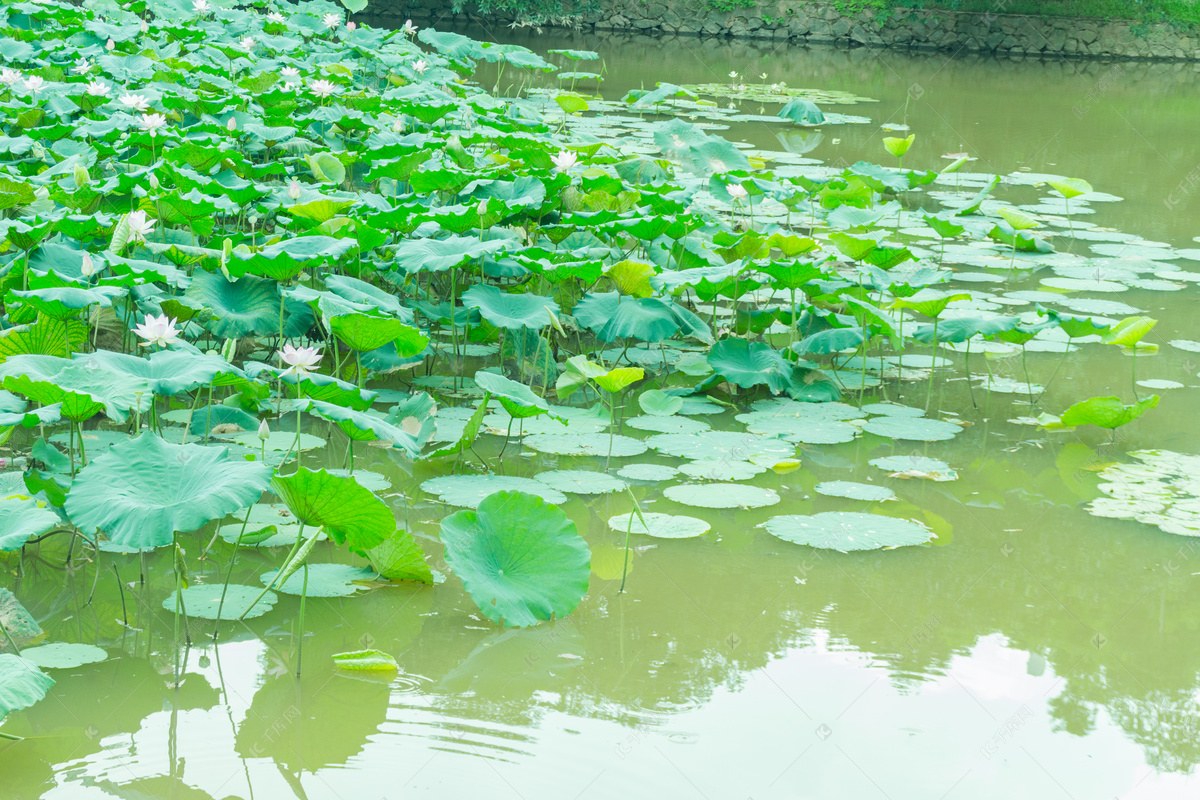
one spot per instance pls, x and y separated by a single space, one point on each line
1033 650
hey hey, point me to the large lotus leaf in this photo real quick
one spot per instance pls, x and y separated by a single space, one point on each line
833 340
64 302
521 559
581 481
439 255
721 495
64 655
470 490
748 364
208 418
322 580
45 337
803 111
510 310
83 386
518 399
658 403
171 372
612 317
21 684
855 491
246 306
848 530
363 426
349 513
357 291
585 444
285 260
141 492
316 386
960 329
1107 412
21 520
721 445
363 333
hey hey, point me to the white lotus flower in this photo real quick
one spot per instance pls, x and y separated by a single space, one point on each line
409 29
157 330
88 267
10 77
289 72
139 226
733 74
82 65
276 17
564 160
264 431
300 360
201 6
762 76
134 102
247 44
331 20
35 83
291 86
152 123
323 88
420 66
737 191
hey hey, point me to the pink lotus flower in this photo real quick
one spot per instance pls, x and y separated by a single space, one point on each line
300 360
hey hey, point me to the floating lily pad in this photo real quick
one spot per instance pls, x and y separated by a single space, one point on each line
647 472
915 467
372 481
324 580
62 655
855 491
660 424
720 444
912 428
713 469
470 490
366 661
585 444
848 530
660 526
1162 490
581 481
203 601
721 495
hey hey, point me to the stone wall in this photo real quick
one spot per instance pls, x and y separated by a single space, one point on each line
801 21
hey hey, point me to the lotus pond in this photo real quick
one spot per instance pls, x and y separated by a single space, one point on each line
399 413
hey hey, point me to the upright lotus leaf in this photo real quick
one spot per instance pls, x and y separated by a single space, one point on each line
172 372
357 291
83 386
315 386
959 329
749 364
578 372
832 340
363 333
243 307
1107 412
21 684
1019 220
929 302
47 336
1070 187
617 379
612 317
439 255
283 261
897 146
23 519
802 111
64 302
141 492
1129 331
510 310
363 426
521 559
517 399
399 558
349 513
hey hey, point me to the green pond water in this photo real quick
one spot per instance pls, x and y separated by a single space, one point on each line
1032 650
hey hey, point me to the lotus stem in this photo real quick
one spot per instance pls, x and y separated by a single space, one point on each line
933 368
229 573
1133 371
8 737
300 644
274 580
11 641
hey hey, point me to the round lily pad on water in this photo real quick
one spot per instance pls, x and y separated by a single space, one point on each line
893 409
720 444
721 469
806 431
581 481
279 441
660 424
1159 384
855 491
584 444
203 601
373 481
848 530
469 490
324 580
699 406
61 655
915 467
1182 344
721 495
912 428
660 526
647 472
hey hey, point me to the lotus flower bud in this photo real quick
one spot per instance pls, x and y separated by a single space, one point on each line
294 190
227 250
351 26
81 176
88 267
153 181
231 125
264 431
110 45
229 349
